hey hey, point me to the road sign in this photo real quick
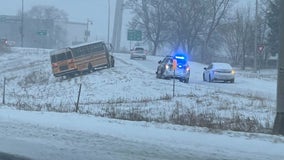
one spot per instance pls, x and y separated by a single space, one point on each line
3 18
134 35
42 33
260 48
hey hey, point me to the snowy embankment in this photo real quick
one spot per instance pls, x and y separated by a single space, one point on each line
131 91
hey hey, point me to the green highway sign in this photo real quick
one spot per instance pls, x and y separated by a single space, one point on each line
42 33
134 35
3 18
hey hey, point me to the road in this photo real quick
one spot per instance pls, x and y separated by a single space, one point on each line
43 143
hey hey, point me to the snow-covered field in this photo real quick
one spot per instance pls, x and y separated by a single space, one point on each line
131 88
131 91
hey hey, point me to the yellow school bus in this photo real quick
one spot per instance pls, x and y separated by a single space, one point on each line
82 58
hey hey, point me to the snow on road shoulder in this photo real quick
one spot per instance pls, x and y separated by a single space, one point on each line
231 145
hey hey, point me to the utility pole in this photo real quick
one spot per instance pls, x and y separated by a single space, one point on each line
4 91
116 34
22 25
87 32
108 22
278 127
255 36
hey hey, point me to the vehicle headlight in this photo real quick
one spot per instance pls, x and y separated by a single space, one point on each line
187 69
167 66
233 72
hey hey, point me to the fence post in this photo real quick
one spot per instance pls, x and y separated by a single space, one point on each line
77 104
174 82
4 91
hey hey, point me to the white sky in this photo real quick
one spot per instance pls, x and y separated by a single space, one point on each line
78 11
81 10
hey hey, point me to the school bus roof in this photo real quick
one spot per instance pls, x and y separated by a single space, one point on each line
84 44
58 51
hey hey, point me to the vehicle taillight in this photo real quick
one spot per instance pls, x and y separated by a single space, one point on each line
54 65
70 61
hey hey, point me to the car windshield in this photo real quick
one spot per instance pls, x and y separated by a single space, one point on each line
95 80
181 61
139 49
222 66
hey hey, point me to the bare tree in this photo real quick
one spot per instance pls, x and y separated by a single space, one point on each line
180 23
238 35
186 22
51 14
216 12
150 17
47 12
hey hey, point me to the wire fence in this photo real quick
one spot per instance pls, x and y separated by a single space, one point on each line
37 97
52 95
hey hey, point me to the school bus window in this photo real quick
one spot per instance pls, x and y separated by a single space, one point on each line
69 55
61 57
84 51
89 48
80 51
87 51
53 59
76 52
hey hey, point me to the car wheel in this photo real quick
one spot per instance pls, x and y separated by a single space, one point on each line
112 61
158 73
90 68
162 70
70 75
233 81
186 80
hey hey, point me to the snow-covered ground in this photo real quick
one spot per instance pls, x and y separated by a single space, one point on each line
130 90
47 135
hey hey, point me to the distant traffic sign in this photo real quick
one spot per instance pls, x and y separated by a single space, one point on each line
134 35
260 48
3 19
42 32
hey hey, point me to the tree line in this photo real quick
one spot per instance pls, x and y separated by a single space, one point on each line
51 13
206 26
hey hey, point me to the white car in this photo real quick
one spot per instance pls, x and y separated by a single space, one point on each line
138 52
219 72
